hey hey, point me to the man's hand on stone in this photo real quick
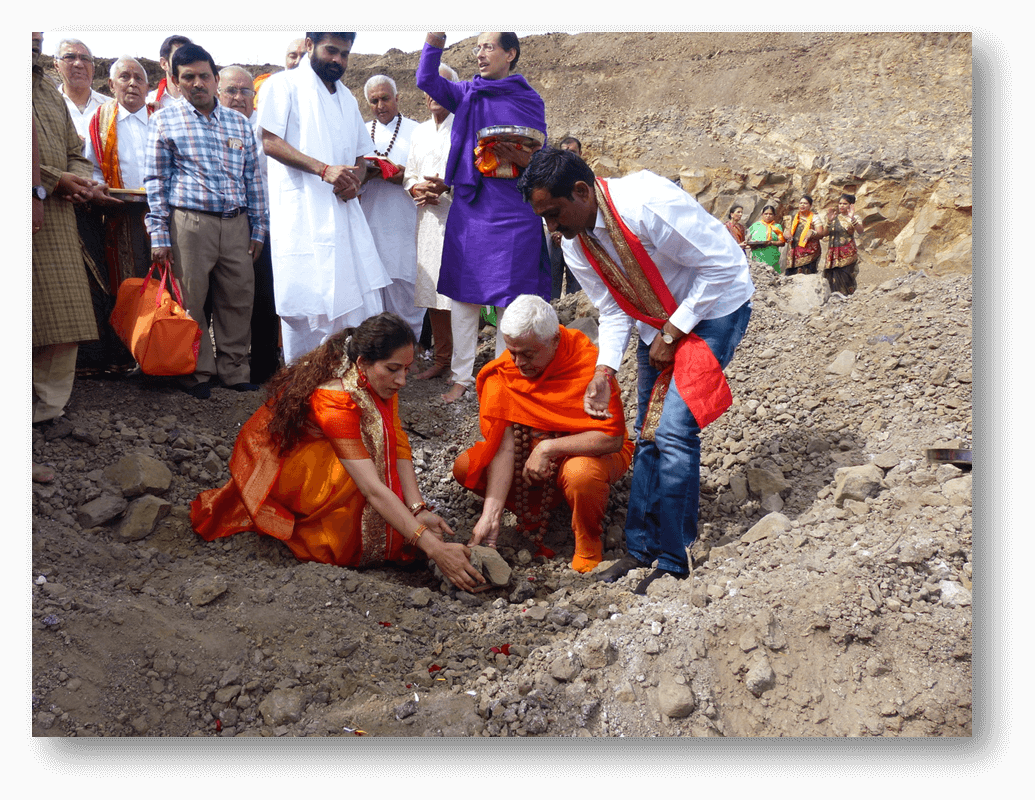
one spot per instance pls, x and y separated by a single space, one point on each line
486 531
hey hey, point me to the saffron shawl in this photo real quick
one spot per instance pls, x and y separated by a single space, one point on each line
551 401
640 292
803 251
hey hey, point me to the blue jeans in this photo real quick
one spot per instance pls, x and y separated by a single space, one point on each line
665 496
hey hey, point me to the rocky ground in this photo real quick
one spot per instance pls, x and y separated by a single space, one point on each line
830 594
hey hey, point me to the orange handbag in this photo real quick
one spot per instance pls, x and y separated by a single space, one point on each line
156 328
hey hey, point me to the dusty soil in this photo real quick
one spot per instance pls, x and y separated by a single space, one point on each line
818 605
837 615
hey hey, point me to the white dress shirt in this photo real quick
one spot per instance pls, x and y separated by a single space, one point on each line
81 119
703 267
132 135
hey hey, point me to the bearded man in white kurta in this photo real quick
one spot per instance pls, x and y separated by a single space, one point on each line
327 274
390 211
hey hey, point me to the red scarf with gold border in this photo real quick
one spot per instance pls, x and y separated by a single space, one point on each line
640 292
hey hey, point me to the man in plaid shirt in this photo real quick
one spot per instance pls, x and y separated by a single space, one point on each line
207 215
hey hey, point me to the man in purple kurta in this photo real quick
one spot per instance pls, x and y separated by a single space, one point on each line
494 248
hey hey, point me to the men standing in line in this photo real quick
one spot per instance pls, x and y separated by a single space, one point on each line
74 63
328 275
236 91
62 311
390 212
675 269
166 93
495 248
207 214
429 151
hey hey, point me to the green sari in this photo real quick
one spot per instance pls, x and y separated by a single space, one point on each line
770 254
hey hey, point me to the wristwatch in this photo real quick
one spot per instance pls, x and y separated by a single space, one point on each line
39 193
667 338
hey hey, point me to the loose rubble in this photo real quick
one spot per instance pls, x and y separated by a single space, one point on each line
830 594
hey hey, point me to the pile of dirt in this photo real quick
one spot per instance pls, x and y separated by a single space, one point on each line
830 594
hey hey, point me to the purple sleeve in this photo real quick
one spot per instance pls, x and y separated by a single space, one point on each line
446 93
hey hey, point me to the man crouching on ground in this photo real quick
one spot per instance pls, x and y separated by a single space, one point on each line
538 437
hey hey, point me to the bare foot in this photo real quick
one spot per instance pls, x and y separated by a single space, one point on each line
431 372
42 474
455 393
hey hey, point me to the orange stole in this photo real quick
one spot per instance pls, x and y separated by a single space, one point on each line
306 499
550 402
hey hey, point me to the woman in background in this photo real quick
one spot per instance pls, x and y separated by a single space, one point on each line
765 238
842 265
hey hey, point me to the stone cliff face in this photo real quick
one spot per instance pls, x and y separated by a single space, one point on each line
750 118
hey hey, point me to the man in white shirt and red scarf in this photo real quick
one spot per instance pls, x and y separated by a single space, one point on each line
167 92
644 250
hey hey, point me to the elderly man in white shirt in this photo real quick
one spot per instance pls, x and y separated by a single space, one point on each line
128 113
429 151
644 249
390 213
74 63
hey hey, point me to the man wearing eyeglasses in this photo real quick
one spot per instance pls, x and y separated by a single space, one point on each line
74 64
494 248
237 91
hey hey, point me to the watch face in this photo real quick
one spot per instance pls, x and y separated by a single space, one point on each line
667 338
39 192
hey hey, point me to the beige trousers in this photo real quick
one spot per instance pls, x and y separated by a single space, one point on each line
209 252
53 373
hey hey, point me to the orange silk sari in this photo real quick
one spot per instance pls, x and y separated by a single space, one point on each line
307 498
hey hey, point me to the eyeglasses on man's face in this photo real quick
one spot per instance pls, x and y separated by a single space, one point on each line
488 47
233 91
71 58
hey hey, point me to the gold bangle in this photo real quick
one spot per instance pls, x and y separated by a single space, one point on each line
416 508
418 533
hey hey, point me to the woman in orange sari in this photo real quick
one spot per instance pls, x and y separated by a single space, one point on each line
325 466
803 236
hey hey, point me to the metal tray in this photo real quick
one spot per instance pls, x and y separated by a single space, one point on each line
512 130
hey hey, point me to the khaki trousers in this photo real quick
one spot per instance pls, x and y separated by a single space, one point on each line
213 252
53 373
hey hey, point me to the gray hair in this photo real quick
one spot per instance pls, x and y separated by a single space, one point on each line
63 42
233 68
448 72
379 80
530 314
113 70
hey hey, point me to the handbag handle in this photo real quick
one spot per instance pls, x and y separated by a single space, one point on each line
163 276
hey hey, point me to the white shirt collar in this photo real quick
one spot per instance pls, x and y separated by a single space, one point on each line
140 113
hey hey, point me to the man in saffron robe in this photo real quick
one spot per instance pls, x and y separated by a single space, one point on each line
538 384
643 249
494 246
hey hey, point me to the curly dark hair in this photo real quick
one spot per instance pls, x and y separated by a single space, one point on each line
375 339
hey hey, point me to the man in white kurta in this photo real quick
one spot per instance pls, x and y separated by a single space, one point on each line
327 274
389 210
429 151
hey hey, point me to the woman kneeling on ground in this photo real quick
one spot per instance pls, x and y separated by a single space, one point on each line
325 465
